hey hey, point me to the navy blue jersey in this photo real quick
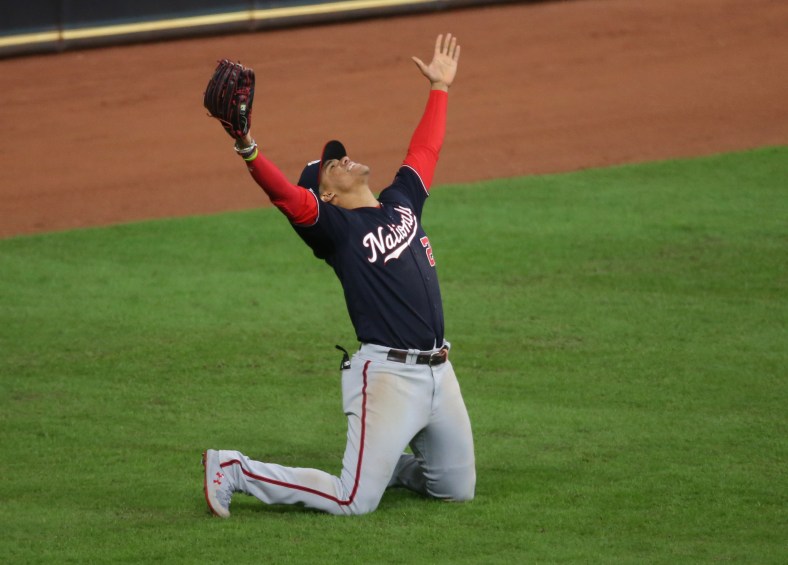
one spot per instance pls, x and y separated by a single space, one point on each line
385 264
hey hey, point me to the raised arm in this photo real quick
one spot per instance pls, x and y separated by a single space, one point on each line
228 97
295 202
427 140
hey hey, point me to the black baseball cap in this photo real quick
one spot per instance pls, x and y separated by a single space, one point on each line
310 176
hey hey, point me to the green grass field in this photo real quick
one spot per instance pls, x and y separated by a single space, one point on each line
620 336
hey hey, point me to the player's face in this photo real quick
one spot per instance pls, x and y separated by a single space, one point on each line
344 174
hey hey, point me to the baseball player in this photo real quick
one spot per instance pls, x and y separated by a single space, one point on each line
399 389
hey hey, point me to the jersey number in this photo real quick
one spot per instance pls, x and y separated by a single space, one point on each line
425 243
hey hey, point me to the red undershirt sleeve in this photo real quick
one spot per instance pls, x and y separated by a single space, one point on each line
295 202
427 140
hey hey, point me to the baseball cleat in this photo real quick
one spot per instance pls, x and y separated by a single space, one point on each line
216 485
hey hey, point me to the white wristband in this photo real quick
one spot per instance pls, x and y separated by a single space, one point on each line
245 151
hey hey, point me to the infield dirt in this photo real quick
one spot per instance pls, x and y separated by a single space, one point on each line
102 136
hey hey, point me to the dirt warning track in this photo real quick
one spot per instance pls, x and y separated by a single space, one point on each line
103 136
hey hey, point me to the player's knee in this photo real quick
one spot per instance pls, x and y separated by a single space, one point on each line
364 504
463 493
459 487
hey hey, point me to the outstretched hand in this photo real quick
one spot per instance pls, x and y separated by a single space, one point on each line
443 67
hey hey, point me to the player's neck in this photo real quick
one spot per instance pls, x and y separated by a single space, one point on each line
360 198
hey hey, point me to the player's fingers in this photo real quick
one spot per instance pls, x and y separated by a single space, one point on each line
446 44
420 64
452 47
438 43
456 56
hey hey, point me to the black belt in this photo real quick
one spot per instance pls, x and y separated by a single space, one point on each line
436 358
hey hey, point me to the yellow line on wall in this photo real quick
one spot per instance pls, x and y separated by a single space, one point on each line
29 38
157 25
346 6
198 21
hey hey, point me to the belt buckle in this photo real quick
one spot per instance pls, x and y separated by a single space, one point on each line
437 358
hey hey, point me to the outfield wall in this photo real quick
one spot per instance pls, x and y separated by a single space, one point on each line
34 26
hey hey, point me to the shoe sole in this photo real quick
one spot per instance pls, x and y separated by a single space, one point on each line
205 490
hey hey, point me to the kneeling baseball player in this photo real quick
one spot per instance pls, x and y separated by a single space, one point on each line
399 389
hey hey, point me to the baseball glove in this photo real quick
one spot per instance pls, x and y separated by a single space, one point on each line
229 95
